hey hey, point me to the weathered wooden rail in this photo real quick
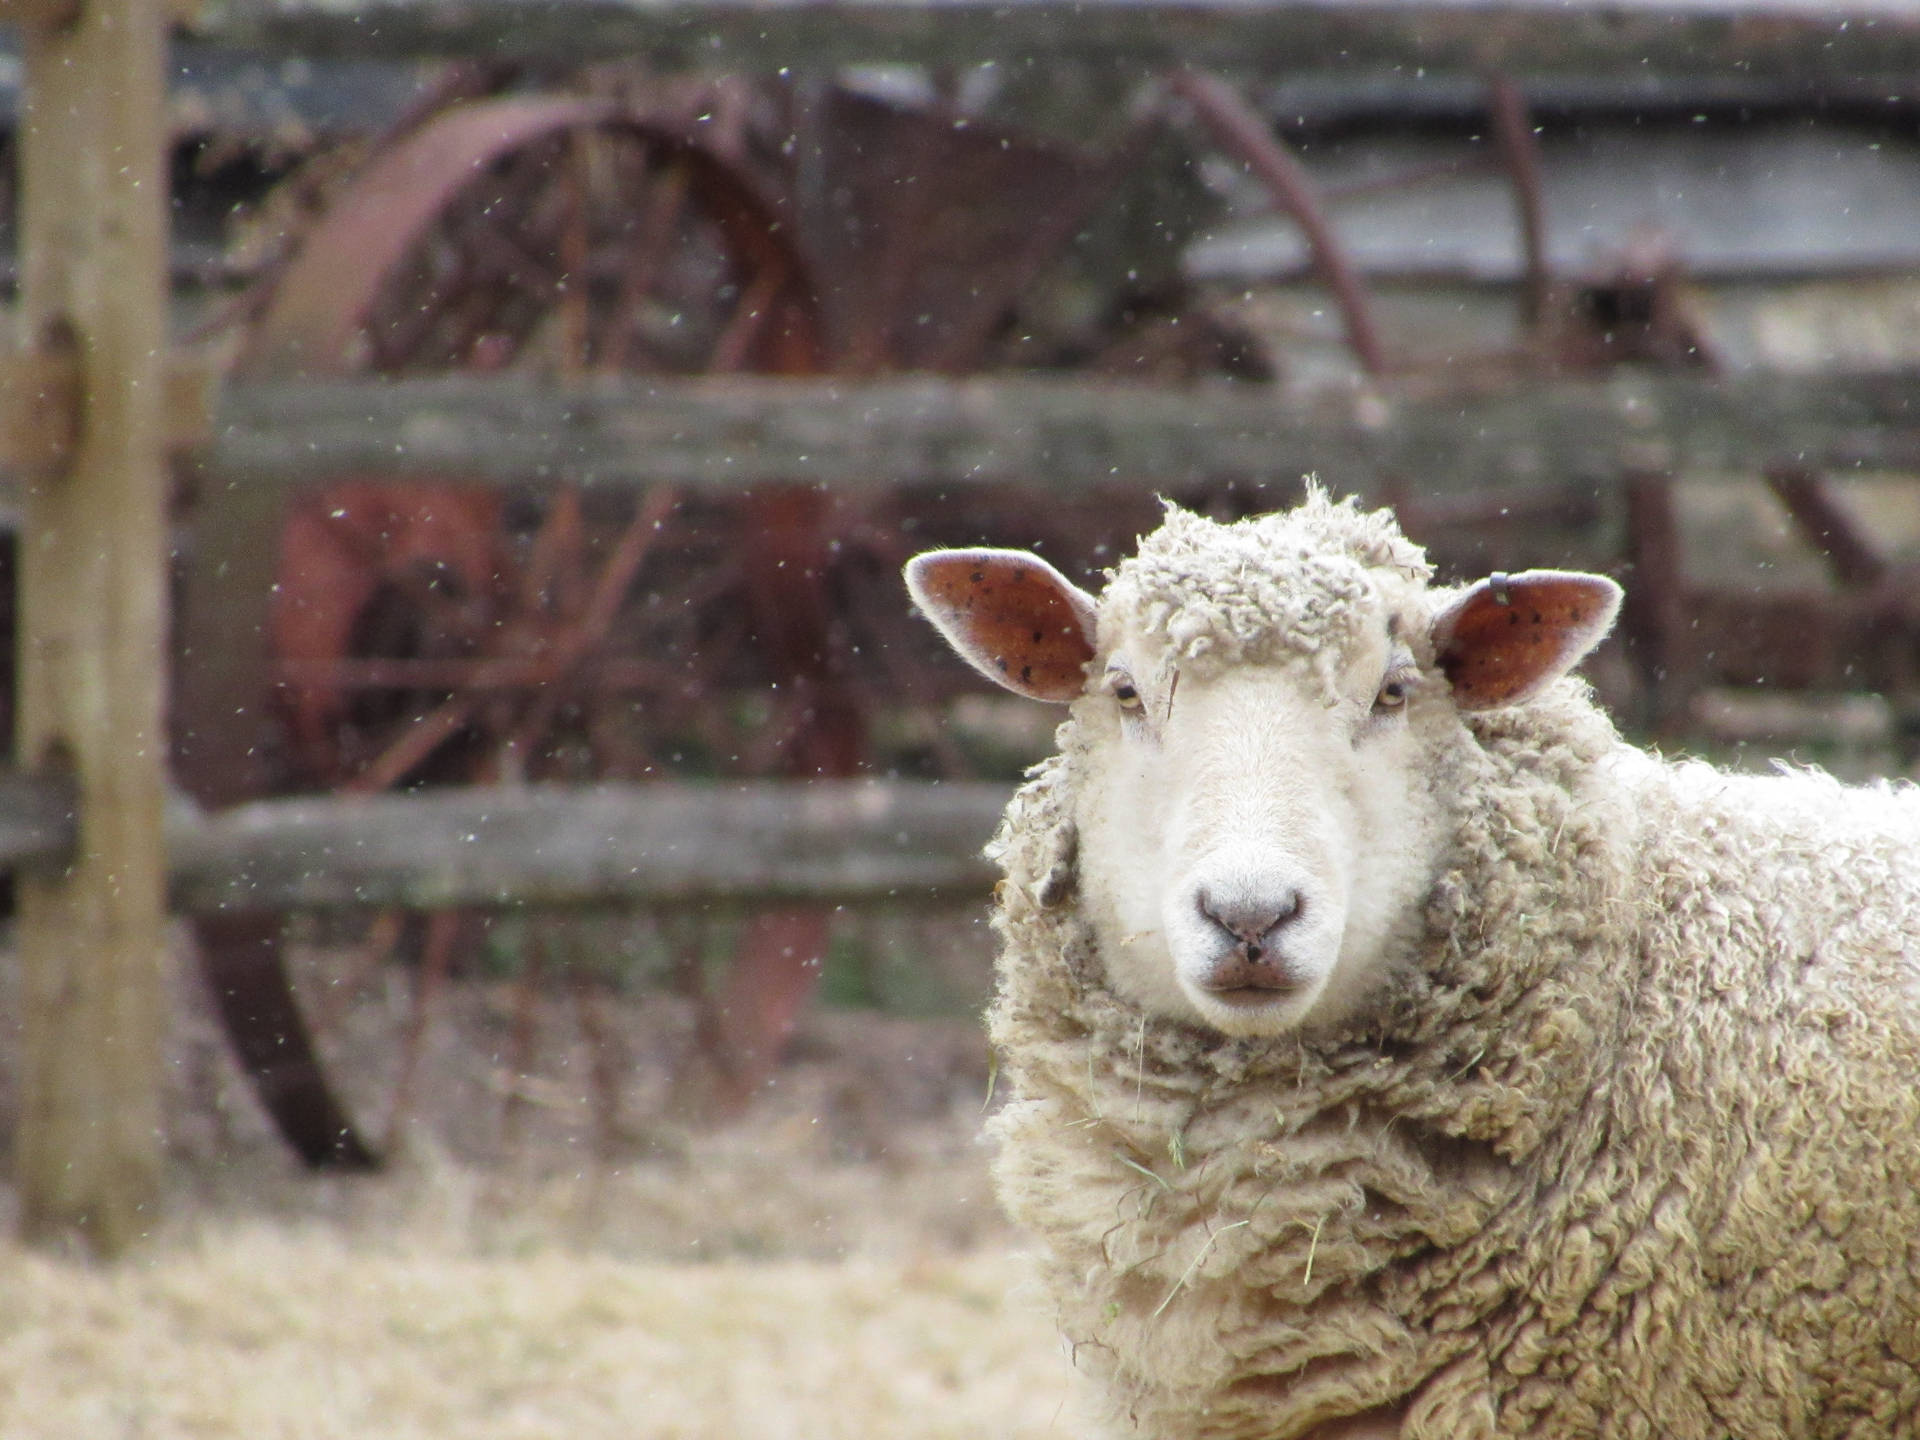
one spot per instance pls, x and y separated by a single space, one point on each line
833 842
663 845
1053 433
92 284
1802 41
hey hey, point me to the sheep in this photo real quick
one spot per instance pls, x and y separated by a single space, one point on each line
1395 1051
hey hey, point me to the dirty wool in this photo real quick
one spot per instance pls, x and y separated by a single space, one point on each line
1628 1147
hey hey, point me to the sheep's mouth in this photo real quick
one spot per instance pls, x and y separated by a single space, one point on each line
1250 974
1252 991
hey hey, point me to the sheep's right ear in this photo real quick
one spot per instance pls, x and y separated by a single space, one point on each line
1011 616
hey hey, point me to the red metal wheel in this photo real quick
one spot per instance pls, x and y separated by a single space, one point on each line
416 635
568 232
433 632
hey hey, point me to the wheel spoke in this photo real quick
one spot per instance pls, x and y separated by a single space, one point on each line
575 188
556 555
436 961
666 201
610 589
748 323
416 743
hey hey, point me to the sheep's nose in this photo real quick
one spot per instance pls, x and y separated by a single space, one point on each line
1250 920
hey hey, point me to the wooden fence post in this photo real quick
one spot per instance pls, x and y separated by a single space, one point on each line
93 624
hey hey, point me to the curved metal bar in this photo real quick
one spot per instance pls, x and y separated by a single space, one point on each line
240 955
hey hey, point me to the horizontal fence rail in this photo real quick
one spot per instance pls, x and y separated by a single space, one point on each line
1803 41
833 842
1052 433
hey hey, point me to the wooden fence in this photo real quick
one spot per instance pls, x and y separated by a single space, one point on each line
1053 434
1850 46
86 423
664 845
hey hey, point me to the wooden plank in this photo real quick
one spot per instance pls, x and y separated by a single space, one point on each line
667 844
829 841
93 628
1799 42
1053 433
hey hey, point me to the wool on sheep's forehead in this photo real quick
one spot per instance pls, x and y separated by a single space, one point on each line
1293 583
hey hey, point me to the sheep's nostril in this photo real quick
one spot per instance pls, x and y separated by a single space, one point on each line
1249 920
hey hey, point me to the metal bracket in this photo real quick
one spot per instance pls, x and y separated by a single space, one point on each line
42 403
41 14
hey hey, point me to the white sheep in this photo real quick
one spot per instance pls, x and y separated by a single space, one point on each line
1395 1051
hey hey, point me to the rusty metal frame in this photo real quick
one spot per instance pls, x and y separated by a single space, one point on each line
310 325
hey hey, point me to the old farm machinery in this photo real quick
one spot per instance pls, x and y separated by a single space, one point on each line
436 631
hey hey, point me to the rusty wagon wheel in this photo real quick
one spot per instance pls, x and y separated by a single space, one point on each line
418 636
563 229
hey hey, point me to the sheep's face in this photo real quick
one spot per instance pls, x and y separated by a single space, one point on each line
1259 714
1253 837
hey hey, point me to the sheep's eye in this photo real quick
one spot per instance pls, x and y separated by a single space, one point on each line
1393 692
1120 685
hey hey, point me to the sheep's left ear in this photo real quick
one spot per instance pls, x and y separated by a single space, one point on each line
1506 638
1011 616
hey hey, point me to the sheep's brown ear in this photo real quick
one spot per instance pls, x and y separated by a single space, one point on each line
1011 615
1507 637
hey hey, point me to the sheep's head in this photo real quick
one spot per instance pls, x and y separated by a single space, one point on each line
1260 712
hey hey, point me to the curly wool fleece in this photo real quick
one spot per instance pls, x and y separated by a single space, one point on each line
1290 583
1631 1147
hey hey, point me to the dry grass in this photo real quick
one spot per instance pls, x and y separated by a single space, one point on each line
271 1331
832 1267
752 1285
